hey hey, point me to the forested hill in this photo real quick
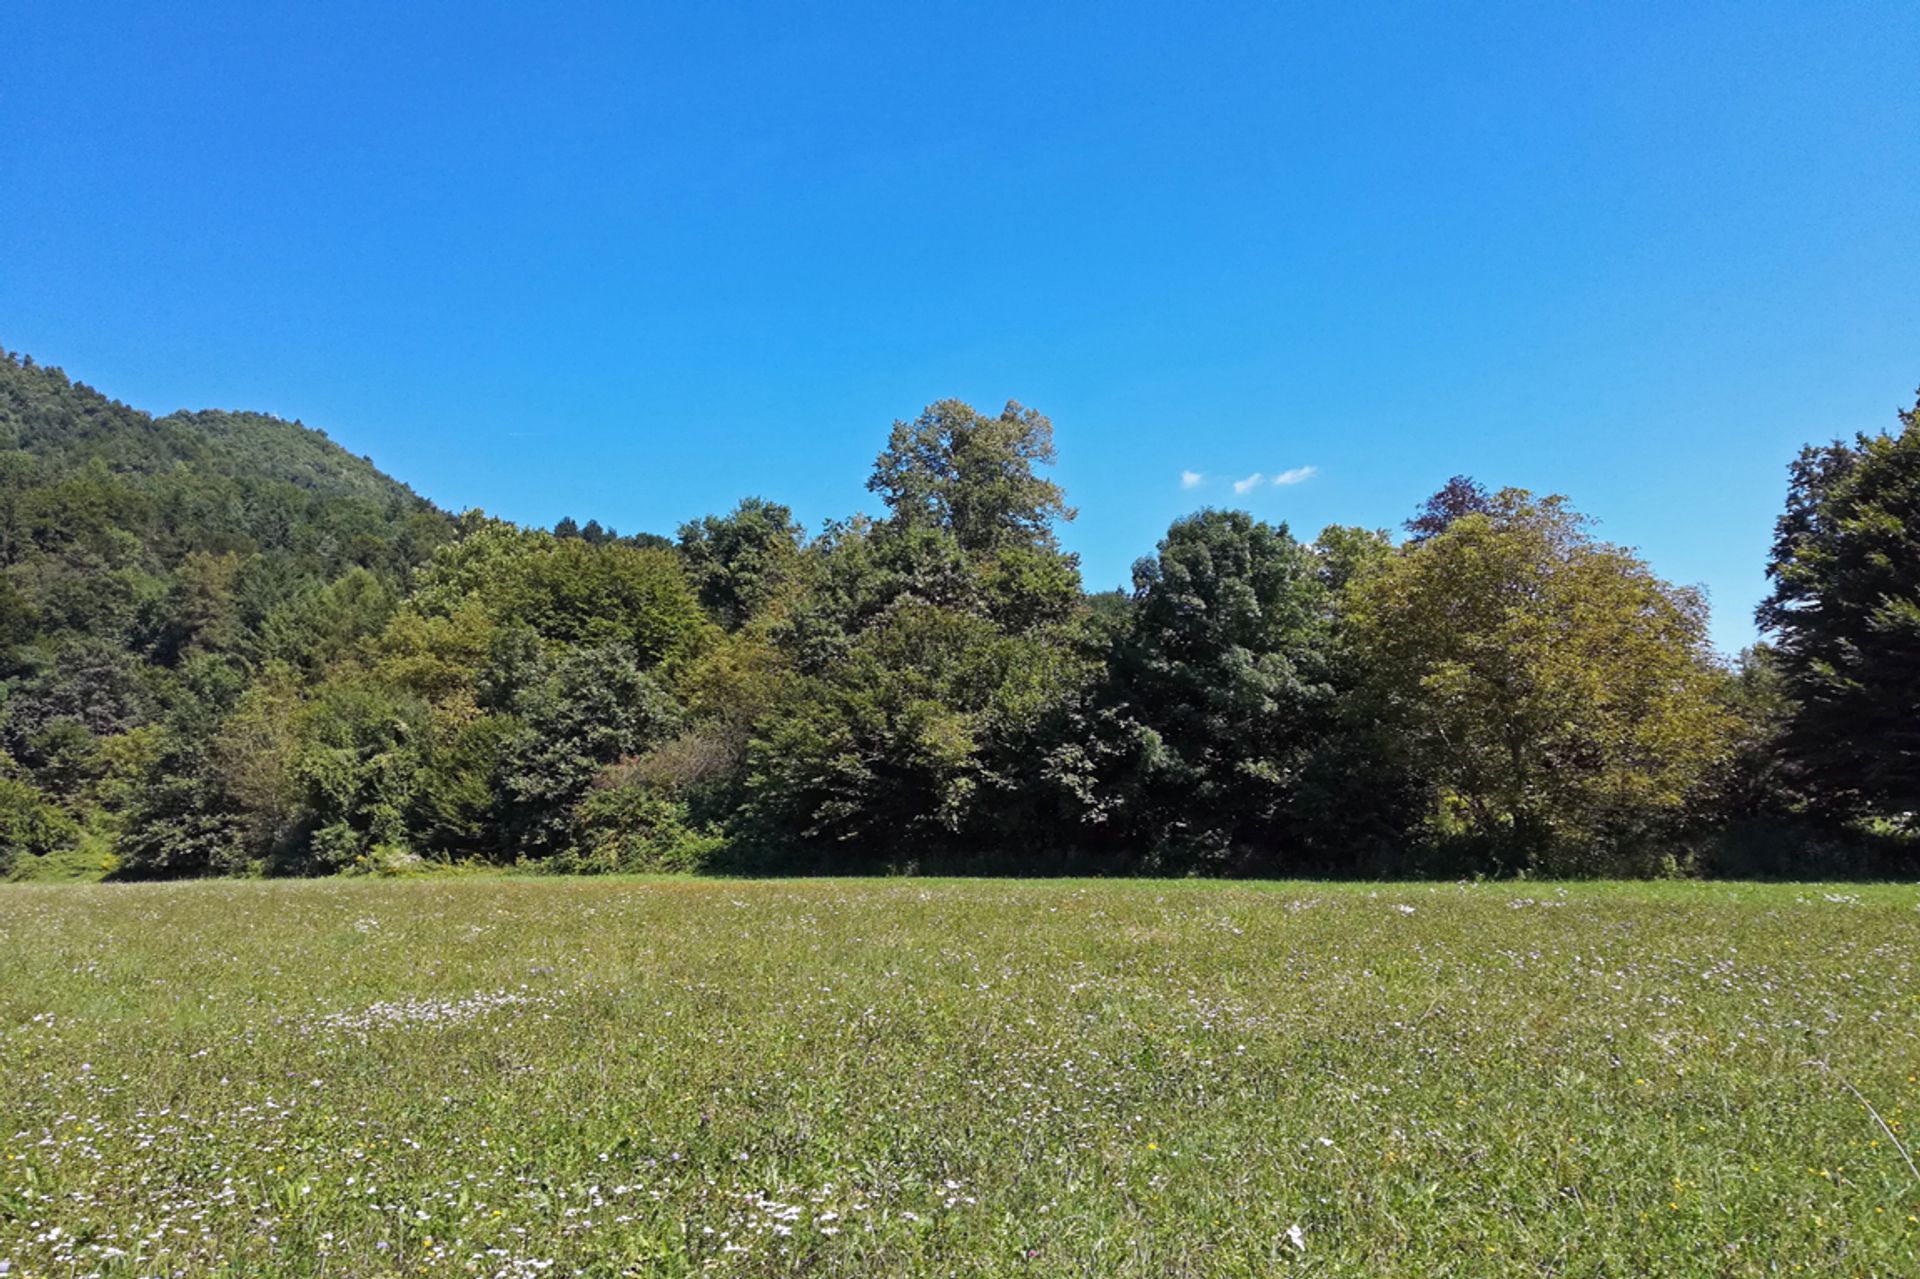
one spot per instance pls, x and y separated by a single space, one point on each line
134 550
226 645
101 505
52 427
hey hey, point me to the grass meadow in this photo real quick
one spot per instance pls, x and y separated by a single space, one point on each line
547 1077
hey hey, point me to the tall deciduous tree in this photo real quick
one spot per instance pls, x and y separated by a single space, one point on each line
1558 697
931 657
740 562
974 475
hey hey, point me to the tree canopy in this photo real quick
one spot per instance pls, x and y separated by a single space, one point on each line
1558 699
227 646
1845 608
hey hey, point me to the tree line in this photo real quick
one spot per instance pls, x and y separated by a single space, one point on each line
231 647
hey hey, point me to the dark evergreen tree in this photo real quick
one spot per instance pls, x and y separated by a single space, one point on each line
1224 682
1845 612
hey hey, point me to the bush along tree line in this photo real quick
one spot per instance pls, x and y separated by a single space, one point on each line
229 646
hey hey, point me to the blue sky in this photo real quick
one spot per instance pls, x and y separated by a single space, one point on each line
636 261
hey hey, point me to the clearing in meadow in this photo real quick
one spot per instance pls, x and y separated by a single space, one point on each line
513 1077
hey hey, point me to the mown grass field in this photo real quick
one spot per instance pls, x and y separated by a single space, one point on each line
917 1077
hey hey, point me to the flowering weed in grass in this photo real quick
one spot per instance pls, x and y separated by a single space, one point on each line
903 1078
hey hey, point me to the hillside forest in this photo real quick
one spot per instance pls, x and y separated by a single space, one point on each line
229 646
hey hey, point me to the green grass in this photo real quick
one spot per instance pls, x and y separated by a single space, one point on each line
924 1077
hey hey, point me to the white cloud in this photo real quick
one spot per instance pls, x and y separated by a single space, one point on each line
1249 484
1296 475
1191 479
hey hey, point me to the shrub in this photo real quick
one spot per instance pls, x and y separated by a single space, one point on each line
29 825
633 828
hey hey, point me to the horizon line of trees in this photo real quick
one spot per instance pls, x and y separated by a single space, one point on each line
200 683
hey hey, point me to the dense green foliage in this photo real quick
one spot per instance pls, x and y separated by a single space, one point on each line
154 575
227 646
1223 683
1846 607
1559 701
934 663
